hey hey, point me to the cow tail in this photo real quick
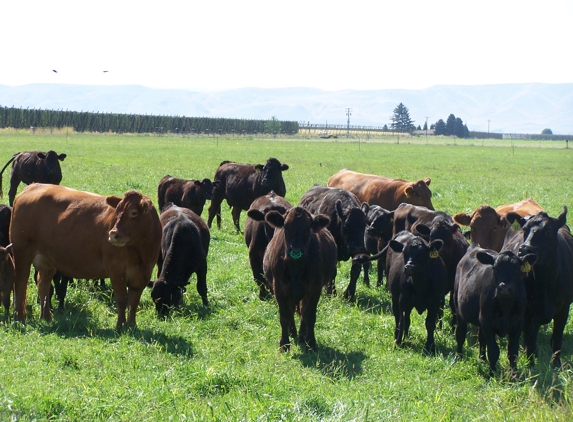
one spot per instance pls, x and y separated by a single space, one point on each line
4 168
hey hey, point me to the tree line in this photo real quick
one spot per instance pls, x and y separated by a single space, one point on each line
20 118
453 126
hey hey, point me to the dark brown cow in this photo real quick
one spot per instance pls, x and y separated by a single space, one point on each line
184 250
259 233
299 261
6 278
549 286
379 227
241 184
383 191
190 194
33 167
5 216
87 236
488 226
489 292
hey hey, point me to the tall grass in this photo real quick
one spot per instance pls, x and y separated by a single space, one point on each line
222 362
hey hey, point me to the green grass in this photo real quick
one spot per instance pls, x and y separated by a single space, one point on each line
222 362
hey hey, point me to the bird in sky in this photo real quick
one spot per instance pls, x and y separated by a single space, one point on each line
105 71
55 71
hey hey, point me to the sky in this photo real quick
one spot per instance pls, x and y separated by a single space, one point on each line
330 45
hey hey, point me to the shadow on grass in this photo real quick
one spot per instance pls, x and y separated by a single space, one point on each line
333 363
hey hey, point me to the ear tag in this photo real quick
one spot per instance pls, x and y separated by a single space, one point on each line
434 254
392 220
525 267
515 226
295 255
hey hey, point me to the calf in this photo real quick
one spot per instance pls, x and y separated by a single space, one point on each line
299 260
184 249
33 167
190 194
549 286
259 233
347 224
241 184
416 278
379 225
489 292
6 278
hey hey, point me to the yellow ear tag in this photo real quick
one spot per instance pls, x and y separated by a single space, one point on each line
392 220
516 226
525 267
434 254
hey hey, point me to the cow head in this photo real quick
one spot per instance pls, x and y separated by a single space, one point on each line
258 213
271 175
51 160
165 296
205 187
416 251
418 193
298 225
133 222
487 227
539 233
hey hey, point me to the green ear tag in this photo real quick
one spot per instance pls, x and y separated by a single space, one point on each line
525 267
434 254
516 226
295 255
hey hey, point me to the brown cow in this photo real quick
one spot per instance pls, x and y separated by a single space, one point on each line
191 194
87 236
299 260
488 226
6 277
383 191
33 167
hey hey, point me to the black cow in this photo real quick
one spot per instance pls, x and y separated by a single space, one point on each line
33 167
299 261
190 194
241 184
347 224
184 248
7 278
549 286
259 233
379 225
5 217
416 278
489 292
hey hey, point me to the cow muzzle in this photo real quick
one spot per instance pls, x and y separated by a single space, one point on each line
115 239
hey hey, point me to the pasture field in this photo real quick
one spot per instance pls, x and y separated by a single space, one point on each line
222 362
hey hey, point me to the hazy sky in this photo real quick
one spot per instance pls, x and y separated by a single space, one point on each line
331 45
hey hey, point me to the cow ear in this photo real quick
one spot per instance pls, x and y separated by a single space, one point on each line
197 183
41 155
62 157
527 261
436 245
145 204
396 246
562 217
339 209
216 183
259 167
112 201
515 220
423 229
275 219
409 190
365 208
319 222
284 167
462 218
256 215
485 258
427 181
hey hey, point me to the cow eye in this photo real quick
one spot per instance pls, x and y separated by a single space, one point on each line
133 213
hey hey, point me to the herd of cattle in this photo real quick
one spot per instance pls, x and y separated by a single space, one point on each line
513 275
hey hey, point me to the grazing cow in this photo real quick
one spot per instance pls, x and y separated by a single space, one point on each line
6 278
383 191
33 167
299 261
241 184
184 249
549 286
258 234
379 226
115 238
489 292
416 278
347 224
488 226
190 194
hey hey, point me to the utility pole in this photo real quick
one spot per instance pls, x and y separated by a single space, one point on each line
427 130
348 114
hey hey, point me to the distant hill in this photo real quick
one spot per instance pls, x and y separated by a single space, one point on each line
510 108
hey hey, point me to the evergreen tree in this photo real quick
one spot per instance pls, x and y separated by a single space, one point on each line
451 125
440 128
547 131
385 128
425 126
401 121
459 128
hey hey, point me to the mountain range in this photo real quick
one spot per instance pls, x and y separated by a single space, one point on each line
505 108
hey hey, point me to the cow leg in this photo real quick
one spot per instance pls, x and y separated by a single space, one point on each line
14 182
381 264
366 267
121 298
236 213
215 210
482 344
431 318
202 285
45 277
133 297
513 349
6 301
461 331
530 331
492 348
559 321
22 273
397 316
354 274
307 322
286 317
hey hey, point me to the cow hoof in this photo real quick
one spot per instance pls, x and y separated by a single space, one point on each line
284 348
